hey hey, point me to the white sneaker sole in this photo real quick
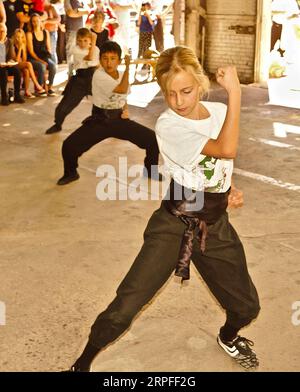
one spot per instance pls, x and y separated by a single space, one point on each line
233 353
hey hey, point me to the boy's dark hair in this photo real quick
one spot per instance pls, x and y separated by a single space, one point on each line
111 46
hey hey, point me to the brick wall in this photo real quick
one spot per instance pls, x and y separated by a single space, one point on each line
227 44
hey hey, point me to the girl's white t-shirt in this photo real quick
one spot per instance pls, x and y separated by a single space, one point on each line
181 141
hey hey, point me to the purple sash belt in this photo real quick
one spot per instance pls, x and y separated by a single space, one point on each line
197 210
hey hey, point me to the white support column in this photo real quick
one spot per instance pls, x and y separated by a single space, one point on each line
263 38
179 6
192 38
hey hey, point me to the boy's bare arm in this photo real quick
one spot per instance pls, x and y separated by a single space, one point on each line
123 86
91 52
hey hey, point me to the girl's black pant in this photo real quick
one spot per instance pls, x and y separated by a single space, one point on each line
222 266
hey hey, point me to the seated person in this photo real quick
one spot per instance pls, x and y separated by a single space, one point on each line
19 54
85 59
39 49
8 68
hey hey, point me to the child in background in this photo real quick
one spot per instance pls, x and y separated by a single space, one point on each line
111 22
19 54
98 29
85 60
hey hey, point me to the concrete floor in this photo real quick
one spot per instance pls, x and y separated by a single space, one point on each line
63 252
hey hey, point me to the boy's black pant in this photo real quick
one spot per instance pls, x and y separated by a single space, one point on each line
222 266
4 73
79 86
94 130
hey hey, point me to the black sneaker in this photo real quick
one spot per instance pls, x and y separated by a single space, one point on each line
65 179
239 349
51 93
19 99
55 128
75 368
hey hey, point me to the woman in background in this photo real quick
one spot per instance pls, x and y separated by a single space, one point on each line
19 53
51 25
39 49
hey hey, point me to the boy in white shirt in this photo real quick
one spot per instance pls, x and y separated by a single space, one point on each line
109 117
85 56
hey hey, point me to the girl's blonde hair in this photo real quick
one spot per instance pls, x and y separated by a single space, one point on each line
174 60
98 15
15 42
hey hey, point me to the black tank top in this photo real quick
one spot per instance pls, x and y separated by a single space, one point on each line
40 47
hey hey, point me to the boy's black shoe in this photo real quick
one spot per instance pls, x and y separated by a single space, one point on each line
19 99
65 179
75 368
153 174
239 349
55 128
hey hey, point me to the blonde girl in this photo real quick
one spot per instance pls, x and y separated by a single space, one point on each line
198 141
20 55
97 27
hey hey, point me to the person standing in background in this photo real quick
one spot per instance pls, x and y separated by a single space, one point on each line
12 22
74 21
39 7
2 12
98 28
158 32
110 18
61 32
146 25
51 25
24 8
122 10
282 12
